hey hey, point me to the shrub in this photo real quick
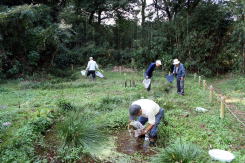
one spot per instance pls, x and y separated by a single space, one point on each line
180 152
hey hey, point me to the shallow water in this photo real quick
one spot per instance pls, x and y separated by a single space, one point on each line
129 145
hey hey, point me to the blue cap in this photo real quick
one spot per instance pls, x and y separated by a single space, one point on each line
133 111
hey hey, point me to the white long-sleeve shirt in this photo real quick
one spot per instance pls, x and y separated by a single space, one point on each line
92 66
149 109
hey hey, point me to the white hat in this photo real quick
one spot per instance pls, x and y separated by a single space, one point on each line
176 61
158 62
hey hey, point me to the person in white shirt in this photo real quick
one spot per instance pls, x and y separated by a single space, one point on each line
147 111
91 67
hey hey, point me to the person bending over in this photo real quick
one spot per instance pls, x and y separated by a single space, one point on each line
147 111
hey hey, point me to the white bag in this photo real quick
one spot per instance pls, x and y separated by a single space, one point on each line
83 72
146 83
99 74
200 109
138 126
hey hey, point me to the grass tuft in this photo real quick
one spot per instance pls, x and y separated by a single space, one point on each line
77 131
180 152
65 105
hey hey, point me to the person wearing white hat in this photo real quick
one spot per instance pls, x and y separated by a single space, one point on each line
179 71
150 69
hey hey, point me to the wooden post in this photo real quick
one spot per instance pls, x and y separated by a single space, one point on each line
199 80
222 107
204 84
134 85
72 67
195 76
125 83
211 93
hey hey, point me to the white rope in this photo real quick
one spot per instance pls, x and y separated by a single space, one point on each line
227 106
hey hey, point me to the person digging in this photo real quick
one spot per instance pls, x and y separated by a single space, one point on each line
149 71
147 111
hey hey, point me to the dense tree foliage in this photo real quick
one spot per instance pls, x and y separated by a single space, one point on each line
205 35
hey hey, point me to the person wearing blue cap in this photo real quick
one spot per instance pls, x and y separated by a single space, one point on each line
149 71
147 111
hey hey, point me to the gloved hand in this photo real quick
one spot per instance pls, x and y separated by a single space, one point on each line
147 77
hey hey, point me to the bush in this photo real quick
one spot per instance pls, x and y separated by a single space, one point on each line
179 152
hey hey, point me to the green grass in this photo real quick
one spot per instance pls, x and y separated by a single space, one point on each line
105 102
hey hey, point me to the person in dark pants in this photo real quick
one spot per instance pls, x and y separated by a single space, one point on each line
91 67
179 71
148 112
150 69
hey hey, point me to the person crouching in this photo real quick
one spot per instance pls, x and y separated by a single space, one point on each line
147 111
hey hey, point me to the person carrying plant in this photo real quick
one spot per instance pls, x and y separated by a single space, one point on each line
179 72
91 67
149 71
147 111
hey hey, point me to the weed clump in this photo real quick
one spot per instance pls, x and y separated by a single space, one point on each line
180 152
65 105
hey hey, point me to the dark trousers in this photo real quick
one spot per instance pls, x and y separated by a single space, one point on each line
180 86
149 88
91 72
159 117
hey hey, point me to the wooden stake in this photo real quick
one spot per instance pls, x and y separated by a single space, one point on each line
72 67
134 85
125 83
199 80
195 76
120 69
211 93
204 84
222 107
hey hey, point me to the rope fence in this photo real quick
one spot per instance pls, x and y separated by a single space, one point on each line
219 97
